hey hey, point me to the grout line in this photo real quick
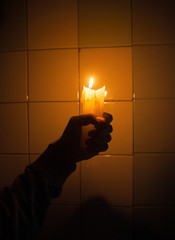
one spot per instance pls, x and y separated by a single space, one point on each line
94 47
133 96
78 101
154 206
153 44
12 102
2 153
154 153
79 114
80 177
28 135
153 99
100 155
129 100
91 205
77 48
52 49
13 51
41 102
111 205
122 46
110 155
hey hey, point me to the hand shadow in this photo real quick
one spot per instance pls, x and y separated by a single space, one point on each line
93 220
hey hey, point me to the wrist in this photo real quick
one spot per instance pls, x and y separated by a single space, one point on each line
53 162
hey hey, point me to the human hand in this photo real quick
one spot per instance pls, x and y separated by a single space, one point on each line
98 139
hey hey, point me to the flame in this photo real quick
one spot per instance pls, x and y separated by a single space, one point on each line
91 82
105 93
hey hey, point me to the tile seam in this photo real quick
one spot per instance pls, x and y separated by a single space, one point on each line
62 48
28 124
133 96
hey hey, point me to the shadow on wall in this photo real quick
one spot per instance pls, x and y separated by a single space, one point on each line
98 221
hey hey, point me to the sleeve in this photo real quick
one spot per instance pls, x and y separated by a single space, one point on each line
23 206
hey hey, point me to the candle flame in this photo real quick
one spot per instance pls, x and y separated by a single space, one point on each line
105 93
91 82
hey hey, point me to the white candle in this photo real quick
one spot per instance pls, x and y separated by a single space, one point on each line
92 102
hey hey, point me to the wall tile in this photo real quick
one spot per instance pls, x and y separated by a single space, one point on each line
154 177
10 167
154 129
52 24
13 75
13 128
62 222
111 67
13 25
47 122
71 189
153 21
104 24
105 222
53 75
154 71
154 223
122 135
109 178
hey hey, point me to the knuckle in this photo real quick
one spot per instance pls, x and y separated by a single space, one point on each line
73 118
109 138
111 128
106 147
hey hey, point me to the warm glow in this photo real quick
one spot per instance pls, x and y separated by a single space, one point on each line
91 82
105 93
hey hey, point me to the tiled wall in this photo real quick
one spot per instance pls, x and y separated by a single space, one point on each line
48 50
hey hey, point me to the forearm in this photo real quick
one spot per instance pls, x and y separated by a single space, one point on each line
23 206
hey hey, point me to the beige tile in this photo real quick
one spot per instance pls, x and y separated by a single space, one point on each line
61 222
111 67
109 178
13 75
154 177
10 167
104 23
154 71
154 223
13 25
105 222
13 128
154 129
52 24
53 75
153 21
47 122
122 135
71 188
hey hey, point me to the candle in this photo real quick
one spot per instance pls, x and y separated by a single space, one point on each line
92 102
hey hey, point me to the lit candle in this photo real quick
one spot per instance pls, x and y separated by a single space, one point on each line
92 102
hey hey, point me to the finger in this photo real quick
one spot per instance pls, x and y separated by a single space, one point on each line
108 117
106 131
100 119
101 132
102 148
86 119
95 142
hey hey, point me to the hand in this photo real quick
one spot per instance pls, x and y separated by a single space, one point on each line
98 139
